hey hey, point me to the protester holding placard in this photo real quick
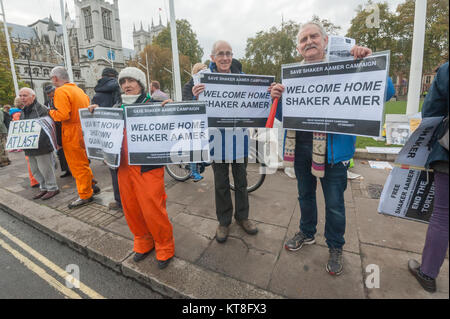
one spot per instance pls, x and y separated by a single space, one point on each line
319 155
187 96
107 94
436 244
41 159
142 186
222 62
68 99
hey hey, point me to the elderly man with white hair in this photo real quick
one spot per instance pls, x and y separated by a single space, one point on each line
41 159
320 155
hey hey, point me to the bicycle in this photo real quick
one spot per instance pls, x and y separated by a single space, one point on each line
255 172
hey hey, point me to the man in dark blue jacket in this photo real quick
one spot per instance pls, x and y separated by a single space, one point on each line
312 44
223 62
436 243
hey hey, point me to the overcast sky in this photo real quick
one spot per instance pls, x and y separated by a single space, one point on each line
231 20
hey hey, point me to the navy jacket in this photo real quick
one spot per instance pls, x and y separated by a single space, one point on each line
436 104
107 92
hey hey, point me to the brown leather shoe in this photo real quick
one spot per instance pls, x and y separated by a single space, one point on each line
39 195
248 226
222 234
50 194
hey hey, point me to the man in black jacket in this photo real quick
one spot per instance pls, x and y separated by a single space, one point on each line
41 160
107 91
107 94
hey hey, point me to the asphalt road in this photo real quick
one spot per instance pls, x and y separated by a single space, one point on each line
33 266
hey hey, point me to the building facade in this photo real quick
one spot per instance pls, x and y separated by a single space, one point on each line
142 38
94 43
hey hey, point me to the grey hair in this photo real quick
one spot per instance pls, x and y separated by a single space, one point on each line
213 50
31 91
60 72
318 25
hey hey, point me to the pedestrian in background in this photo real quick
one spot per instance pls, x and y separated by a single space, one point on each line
4 160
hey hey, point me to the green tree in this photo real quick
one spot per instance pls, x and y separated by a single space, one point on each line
395 33
7 91
268 50
188 44
160 63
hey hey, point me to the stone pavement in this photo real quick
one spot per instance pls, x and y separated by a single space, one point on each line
245 266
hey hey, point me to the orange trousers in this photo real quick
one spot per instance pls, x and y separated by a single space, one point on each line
33 180
144 205
76 157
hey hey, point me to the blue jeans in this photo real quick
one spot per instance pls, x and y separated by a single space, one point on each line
333 184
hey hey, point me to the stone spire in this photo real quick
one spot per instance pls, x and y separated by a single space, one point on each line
51 24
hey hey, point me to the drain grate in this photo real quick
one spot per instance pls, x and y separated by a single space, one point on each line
374 190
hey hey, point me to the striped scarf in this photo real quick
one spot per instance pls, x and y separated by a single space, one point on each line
319 149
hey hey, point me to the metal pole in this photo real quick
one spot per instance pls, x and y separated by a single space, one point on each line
415 73
11 59
176 62
148 74
67 59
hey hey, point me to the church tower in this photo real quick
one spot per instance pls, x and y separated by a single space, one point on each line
99 39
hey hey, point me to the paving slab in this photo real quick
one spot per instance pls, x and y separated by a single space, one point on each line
396 282
111 250
185 280
235 259
302 274
388 231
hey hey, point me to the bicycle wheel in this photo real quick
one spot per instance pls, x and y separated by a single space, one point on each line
179 172
255 177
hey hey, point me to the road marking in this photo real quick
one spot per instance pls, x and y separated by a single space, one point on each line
62 273
40 272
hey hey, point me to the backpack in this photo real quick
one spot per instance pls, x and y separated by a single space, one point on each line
443 138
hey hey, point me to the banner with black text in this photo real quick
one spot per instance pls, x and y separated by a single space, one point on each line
23 135
236 100
344 97
175 133
103 134
408 193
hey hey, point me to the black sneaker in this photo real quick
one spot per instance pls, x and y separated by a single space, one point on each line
164 263
96 189
334 266
428 283
296 242
140 257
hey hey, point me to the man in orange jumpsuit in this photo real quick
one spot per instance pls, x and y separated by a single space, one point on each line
67 100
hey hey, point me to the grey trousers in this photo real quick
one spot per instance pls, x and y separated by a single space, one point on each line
224 205
43 169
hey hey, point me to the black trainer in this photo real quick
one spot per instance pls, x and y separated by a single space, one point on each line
296 242
164 263
140 257
428 283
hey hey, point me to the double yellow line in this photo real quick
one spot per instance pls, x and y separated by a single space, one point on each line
69 293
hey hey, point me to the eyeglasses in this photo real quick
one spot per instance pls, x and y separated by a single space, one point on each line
222 54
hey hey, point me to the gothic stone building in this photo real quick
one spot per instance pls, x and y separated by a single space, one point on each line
94 43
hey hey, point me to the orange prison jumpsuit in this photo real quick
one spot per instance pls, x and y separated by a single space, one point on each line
143 198
68 99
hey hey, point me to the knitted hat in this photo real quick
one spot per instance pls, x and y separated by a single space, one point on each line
48 89
109 72
134 73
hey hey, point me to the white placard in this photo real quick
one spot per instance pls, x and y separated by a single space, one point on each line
408 193
416 150
23 135
236 100
345 97
175 133
103 134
